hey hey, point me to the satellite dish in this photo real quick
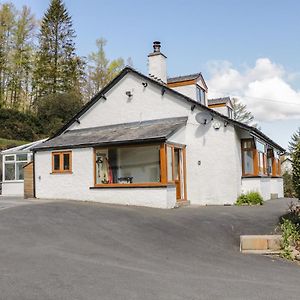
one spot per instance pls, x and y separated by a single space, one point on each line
203 118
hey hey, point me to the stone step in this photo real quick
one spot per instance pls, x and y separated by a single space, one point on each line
260 244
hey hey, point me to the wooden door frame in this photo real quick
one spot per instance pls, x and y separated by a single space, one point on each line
182 149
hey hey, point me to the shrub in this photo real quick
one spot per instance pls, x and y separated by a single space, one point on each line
290 237
289 191
250 198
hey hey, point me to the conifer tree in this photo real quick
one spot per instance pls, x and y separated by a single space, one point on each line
58 68
296 169
295 139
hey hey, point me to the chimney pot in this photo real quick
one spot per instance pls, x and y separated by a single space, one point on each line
156 46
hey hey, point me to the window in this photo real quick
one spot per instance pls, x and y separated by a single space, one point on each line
259 159
262 162
13 166
62 162
200 95
276 164
128 165
248 153
170 164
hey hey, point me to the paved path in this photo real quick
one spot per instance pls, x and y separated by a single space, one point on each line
77 250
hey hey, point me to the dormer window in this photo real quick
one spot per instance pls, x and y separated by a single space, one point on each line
200 95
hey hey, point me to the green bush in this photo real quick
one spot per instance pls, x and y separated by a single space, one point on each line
250 198
288 188
290 237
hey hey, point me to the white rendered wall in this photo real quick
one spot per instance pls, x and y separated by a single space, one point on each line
222 110
213 162
286 166
76 186
10 188
187 90
264 185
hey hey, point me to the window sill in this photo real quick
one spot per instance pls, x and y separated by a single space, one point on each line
260 176
13 181
57 173
129 185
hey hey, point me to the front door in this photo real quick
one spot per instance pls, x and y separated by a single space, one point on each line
179 173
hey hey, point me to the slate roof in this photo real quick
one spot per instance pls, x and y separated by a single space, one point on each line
222 100
135 132
184 98
183 78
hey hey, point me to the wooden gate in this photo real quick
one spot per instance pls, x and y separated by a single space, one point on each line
28 181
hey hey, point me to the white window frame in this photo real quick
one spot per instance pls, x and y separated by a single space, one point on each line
15 162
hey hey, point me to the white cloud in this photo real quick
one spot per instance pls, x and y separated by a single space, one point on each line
265 88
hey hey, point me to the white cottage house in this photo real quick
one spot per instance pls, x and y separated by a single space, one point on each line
13 161
153 141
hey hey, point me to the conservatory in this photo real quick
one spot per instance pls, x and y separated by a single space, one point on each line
13 161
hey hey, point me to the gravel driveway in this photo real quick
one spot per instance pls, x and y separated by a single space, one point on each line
77 250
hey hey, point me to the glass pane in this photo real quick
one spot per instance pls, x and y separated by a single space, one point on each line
20 170
9 170
66 161
247 144
260 147
9 158
170 163
21 157
128 165
176 164
56 163
270 165
102 167
261 163
248 162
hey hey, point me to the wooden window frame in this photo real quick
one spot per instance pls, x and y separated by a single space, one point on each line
162 165
173 163
61 162
254 157
276 171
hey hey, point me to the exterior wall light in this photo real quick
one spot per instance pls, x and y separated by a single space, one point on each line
129 94
145 84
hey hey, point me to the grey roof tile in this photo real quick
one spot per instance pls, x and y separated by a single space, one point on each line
183 78
145 131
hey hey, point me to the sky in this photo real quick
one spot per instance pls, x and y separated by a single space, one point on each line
244 49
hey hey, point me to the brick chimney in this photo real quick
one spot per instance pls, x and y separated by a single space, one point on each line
157 64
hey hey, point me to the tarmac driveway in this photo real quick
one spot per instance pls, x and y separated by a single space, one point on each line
76 250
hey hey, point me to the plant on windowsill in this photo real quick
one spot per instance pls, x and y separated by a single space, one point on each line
250 198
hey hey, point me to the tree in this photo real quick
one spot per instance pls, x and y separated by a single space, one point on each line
21 59
55 110
100 70
58 68
241 114
7 23
295 139
296 169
